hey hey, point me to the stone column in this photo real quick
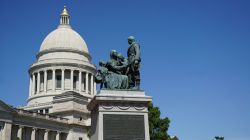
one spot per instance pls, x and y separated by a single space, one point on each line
33 134
69 136
54 80
30 87
91 85
62 78
20 132
38 83
94 88
46 135
80 81
6 132
58 135
87 83
34 83
45 81
72 80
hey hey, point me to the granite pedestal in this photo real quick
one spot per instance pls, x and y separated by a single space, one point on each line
119 115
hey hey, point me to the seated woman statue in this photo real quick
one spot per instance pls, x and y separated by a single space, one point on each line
110 79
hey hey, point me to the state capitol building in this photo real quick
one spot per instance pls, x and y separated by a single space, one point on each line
61 85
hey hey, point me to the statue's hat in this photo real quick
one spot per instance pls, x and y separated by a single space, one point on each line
131 38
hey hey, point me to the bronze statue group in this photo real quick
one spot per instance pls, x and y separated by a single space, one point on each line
120 72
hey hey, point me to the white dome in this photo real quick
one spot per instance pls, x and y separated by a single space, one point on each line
63 53
64 37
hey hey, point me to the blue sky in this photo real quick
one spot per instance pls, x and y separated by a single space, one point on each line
195 54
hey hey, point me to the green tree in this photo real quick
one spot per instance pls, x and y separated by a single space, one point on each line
158 127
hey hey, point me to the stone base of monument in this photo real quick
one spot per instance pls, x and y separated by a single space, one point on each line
119 115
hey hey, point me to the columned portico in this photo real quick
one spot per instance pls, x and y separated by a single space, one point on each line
9 132
39 82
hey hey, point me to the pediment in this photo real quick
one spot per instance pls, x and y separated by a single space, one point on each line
5 108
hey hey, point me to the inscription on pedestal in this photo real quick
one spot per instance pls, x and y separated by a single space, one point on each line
123 127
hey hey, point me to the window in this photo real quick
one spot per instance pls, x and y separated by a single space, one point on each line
67 82
41 111
46 111
74 81
49 80
89 83
58 81
41 81
83 82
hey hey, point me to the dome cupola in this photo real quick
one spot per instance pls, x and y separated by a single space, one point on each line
64 17
63 64
64 39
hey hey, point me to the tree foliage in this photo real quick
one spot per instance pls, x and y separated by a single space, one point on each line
158 127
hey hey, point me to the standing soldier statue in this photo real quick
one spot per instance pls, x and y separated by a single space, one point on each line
134 59
120 72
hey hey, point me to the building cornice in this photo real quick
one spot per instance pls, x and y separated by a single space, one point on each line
75 66
61 49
